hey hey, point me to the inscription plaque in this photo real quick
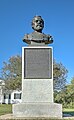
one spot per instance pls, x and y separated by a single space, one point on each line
38 63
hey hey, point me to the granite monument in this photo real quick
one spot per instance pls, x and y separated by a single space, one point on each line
37 76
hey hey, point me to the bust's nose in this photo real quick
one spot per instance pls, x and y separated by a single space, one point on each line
39 21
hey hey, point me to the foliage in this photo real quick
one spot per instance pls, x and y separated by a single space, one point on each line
59 75
12 73
66 96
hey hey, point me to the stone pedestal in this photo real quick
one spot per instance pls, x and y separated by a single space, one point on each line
37 109
37 84
37 90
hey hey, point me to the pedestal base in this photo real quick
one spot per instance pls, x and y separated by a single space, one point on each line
29 110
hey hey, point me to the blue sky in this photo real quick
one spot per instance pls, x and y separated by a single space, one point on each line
15 21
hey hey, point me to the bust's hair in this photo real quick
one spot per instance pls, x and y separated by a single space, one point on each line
32 23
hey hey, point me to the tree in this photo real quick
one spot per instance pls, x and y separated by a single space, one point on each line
70 93
66 96
12 73
59 76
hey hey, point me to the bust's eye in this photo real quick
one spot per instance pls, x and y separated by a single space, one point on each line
36 20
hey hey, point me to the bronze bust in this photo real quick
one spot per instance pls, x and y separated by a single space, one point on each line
37 36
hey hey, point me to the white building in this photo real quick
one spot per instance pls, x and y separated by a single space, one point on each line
9 96
12 97
2 84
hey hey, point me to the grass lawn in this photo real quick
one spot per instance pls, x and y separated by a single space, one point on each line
5 109
68 111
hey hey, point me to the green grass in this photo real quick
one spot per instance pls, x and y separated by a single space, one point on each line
5 109
68 111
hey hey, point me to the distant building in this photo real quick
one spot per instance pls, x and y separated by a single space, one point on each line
2 84
9 96
12 97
